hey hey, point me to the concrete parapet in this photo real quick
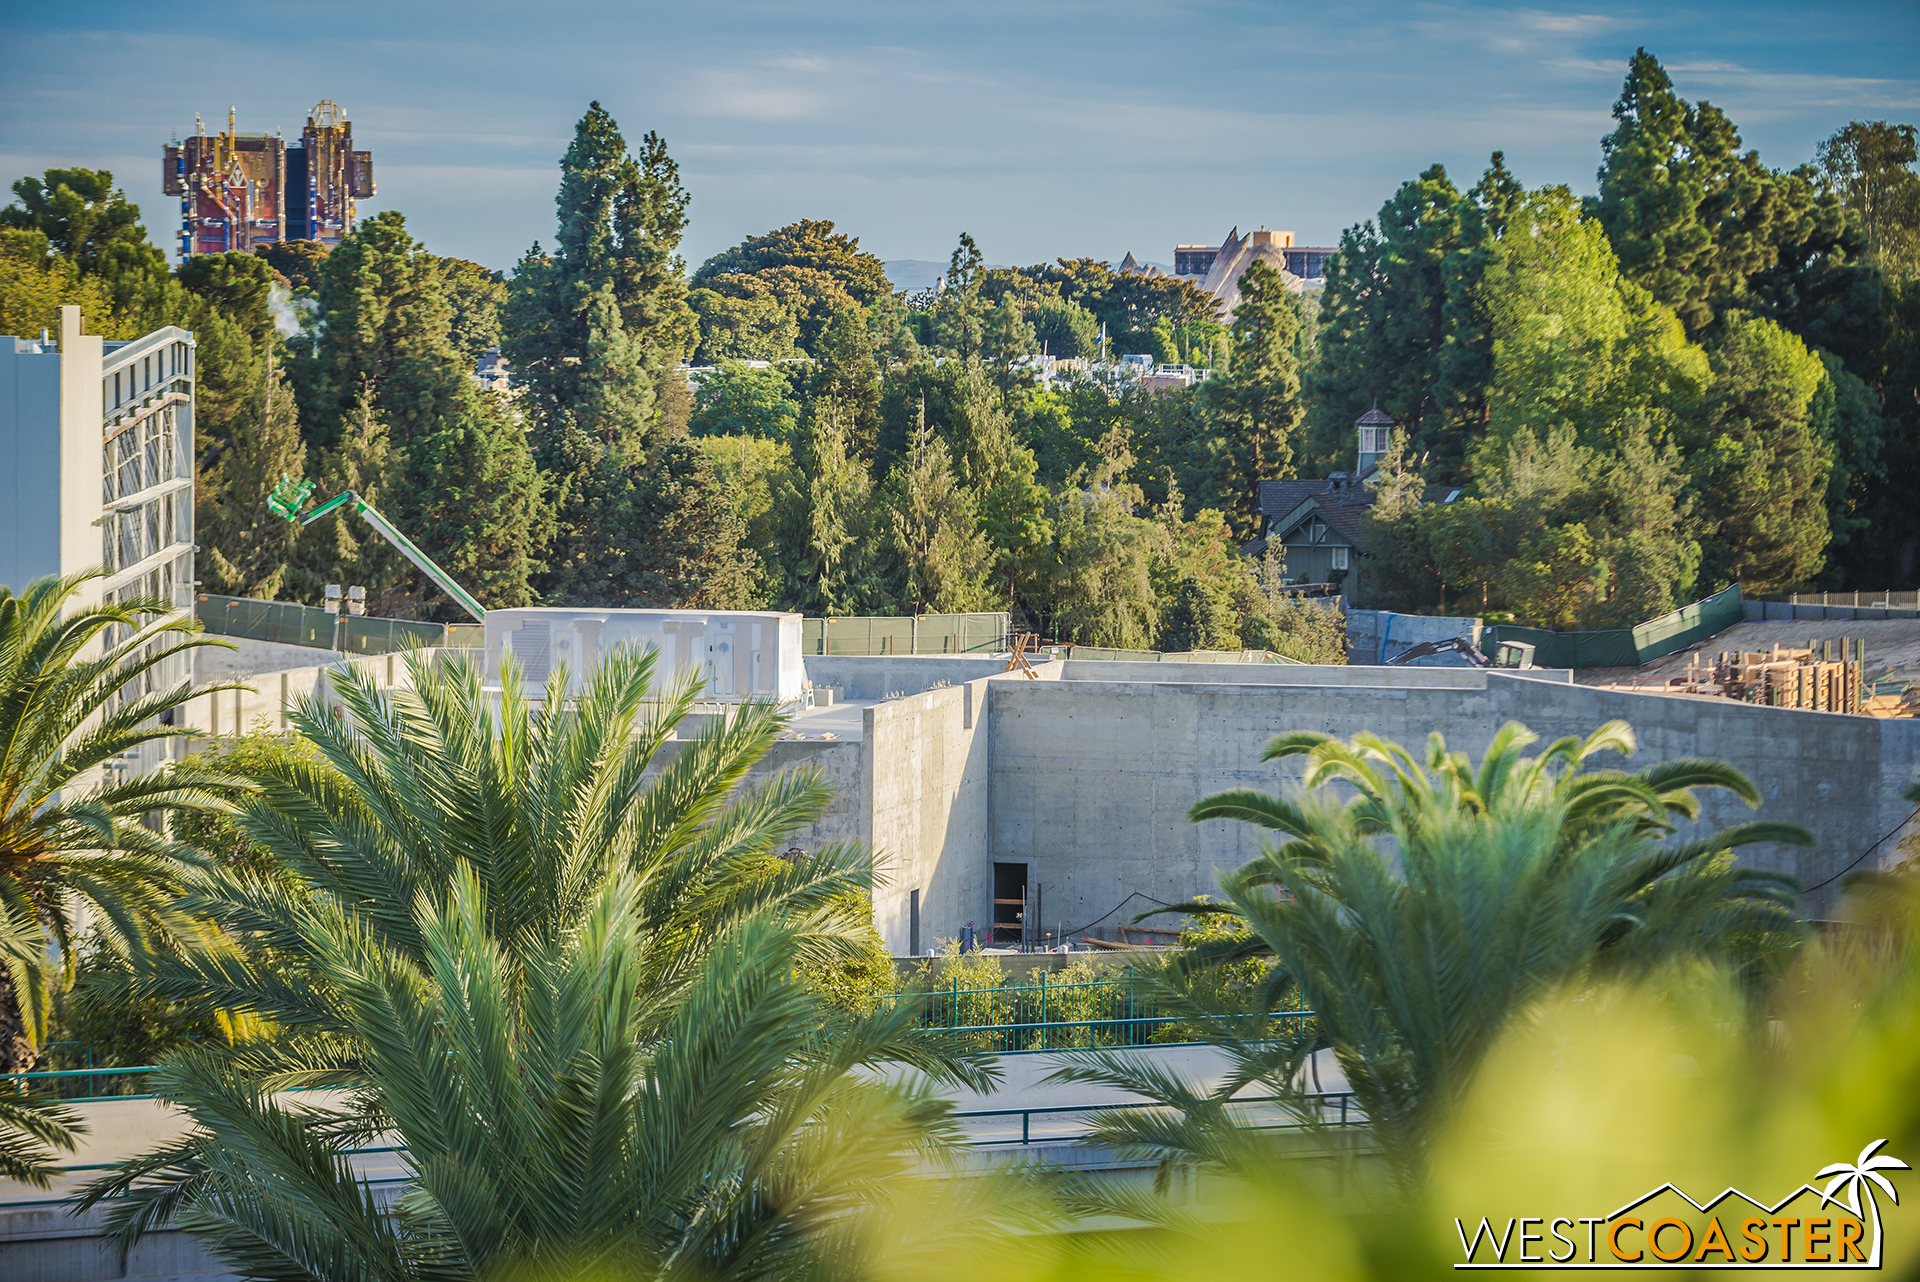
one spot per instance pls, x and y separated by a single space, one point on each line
868 677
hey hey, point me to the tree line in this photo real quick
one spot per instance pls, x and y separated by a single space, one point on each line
1704 373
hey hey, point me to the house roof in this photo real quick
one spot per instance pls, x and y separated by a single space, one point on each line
1373 418
1286 502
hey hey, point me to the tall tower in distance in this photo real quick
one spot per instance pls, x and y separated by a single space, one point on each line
241 190
326 177
232 188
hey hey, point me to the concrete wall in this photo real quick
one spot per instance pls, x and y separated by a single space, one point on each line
877 676
1091 780
1367 628
925 779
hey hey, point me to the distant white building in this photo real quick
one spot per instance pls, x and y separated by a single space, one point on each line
96 463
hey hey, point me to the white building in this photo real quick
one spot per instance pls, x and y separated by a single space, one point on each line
96 463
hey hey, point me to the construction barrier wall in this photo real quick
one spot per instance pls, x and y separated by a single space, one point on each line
1626 647
907 634
291 623
1099 653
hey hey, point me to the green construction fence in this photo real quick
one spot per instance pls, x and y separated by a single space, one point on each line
1625 647
980 633
290 623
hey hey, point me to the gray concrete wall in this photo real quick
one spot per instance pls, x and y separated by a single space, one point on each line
1367 628
866 677
926 772
1091 781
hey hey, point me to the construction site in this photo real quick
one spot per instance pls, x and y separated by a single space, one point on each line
238 190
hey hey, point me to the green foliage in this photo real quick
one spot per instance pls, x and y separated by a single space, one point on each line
509 907
943 554
1760 468
1263 400
35 284
739 400
297 261
73 837
248 545
1871 166
811 245
475 294
749 324
1422 905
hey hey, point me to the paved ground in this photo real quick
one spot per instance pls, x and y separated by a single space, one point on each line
1893 648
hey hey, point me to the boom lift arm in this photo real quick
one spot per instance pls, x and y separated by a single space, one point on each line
288 505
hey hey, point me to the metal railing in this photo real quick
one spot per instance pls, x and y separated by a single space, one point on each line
1337 1109
82 1083
1107 1013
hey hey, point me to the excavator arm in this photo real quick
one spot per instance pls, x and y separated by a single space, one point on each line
392 534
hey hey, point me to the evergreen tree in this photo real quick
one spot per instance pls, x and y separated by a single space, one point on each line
810 244
683 549
464 486
593 331
482 515
942 554
1760 467
822 513
592 328
1265 394
342 548
1386 329
1098 588
959 314
248 545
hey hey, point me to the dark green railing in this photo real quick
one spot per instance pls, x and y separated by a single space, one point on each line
1051 1016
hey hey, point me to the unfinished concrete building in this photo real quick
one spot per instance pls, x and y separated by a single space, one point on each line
238 190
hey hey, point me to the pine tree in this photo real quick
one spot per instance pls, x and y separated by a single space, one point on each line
593 327
482 514
1265 401
247 544
943 555
594 331
821 515
342 548
1759 465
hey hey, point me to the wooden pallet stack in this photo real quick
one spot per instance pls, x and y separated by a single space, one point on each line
1825 676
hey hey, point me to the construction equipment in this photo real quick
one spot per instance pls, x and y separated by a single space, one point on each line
1509 654
288 496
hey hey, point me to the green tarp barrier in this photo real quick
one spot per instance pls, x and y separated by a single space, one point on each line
980 633
290 623
1622 647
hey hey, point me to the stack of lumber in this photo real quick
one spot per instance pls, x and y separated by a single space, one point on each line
1822 677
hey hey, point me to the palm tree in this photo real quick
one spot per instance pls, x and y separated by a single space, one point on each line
65 849
555 969
1421 906
69 853
1859 1177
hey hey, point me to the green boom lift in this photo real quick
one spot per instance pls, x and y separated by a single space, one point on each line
288 497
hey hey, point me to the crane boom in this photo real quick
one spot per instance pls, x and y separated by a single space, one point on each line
392 534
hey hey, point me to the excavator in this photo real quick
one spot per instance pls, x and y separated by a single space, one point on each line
1508 654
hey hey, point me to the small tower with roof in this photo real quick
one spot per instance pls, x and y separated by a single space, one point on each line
1375 430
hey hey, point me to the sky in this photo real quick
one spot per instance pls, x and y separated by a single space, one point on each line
1044 129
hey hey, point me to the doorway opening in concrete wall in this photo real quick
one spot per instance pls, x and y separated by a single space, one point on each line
913 924
1009 903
